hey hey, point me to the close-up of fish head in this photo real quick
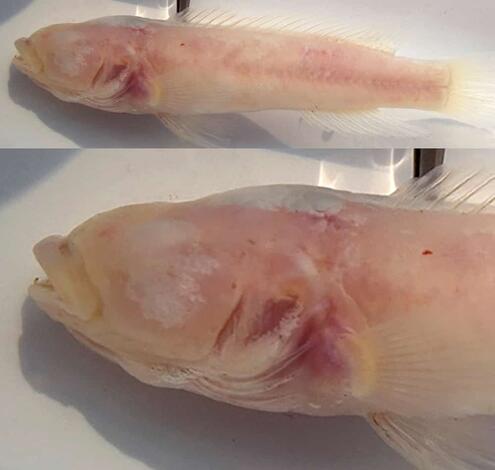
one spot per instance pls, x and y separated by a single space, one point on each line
64 59
168 290
143 286
87 63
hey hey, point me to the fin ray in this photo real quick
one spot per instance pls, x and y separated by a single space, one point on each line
202 130
294 24
447 444
412 365
459 189
376 122
472 96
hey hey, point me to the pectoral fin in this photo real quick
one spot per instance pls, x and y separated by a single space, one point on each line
203 130
374 122
426 365
442 444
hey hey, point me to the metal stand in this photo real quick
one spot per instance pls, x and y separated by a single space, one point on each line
427 159
182 5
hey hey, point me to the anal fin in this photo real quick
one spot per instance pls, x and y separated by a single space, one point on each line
374 122
203 130
227 130
440 444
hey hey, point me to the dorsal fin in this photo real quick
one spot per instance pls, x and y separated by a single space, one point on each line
290 24
458 189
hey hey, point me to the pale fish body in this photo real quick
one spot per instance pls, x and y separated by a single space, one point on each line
301 299
204 64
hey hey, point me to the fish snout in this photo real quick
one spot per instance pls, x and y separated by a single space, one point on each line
66 273
27 58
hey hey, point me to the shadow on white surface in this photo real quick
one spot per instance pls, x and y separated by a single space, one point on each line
86 127
91 128
12 8
177 430
20 170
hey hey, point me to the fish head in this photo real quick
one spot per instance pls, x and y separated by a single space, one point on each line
89 63
137 285
216 289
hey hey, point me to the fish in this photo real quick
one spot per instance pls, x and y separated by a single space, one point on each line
196 70
301 299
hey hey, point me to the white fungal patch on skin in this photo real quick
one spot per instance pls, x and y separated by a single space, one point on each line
306 264
353 218
74 54
167 271
293 198
160 233
169 301
171 292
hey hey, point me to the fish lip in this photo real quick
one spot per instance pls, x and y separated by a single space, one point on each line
27 58
43 293
44 249
42 289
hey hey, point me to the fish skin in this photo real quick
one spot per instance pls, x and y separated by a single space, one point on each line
142 66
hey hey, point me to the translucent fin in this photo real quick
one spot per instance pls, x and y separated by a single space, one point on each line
426 365
447 444
158 375
472 95
379 122
356 34
203 130
461 190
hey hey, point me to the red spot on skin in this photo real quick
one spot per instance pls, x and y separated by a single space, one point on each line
108 233
182 44
427 252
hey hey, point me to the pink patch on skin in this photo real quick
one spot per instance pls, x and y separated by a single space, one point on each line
137 86
322 336
108 233
274 311
115 71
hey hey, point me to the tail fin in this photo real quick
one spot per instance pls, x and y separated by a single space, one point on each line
472 95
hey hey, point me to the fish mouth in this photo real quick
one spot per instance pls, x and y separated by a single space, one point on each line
42 288
44 294
68 281
27 59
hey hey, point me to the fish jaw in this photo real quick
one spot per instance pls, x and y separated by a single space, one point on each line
66 277
27 59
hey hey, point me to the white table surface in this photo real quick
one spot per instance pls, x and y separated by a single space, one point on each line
427 29
64 407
